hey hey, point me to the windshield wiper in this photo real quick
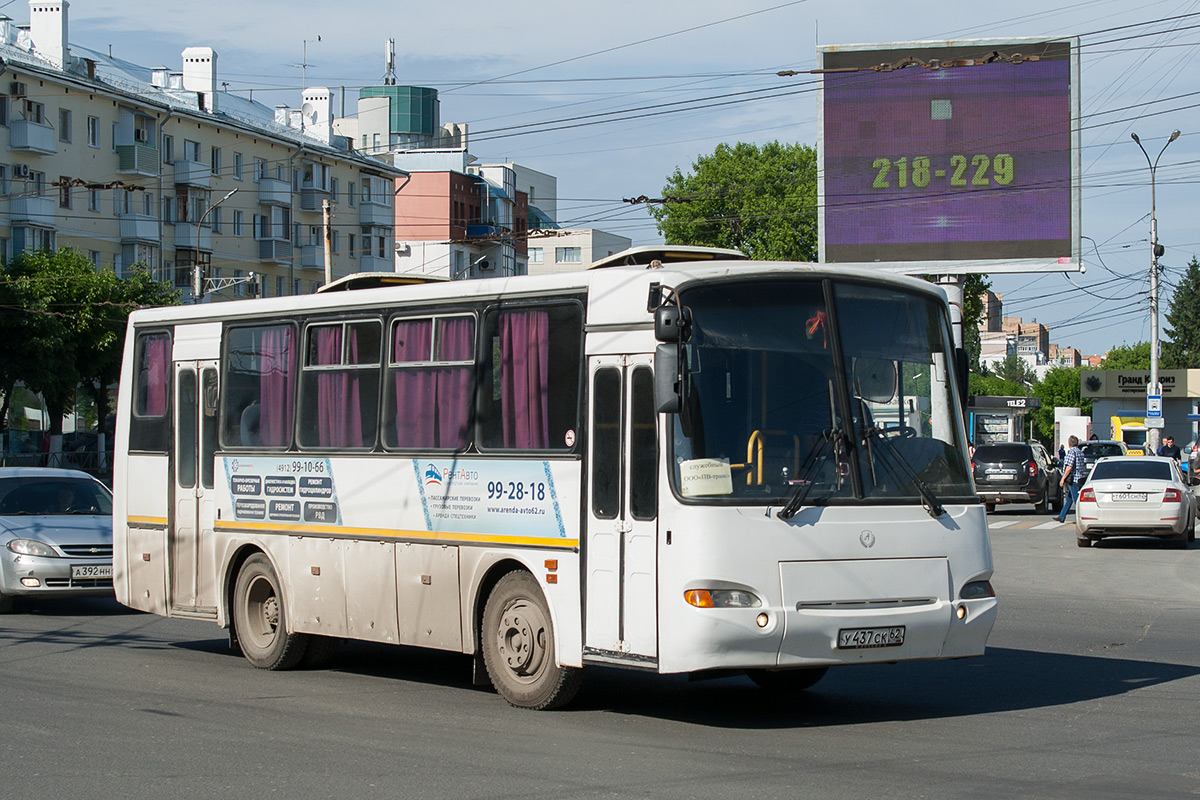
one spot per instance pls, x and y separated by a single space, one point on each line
817 456
929 500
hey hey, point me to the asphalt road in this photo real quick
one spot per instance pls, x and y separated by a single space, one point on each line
1090 689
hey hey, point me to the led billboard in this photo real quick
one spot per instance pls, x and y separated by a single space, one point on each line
952 158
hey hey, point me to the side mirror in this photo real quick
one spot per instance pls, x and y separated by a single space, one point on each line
667 396
672 323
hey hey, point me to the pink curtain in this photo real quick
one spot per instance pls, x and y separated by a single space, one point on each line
156 358
339 408
275 384
433 404
525 378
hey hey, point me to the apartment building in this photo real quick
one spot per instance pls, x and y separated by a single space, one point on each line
159 166
571 249
457 217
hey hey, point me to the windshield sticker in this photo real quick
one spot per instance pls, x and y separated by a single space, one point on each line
700 477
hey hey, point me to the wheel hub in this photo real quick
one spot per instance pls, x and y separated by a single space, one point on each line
522 640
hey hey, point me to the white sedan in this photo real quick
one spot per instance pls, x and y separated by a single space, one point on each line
1135 496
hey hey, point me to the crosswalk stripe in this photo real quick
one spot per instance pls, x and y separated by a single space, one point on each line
1046 526
1002 523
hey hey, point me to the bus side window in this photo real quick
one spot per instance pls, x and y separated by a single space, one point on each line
150 425
339 386
259 369
521 408
643 447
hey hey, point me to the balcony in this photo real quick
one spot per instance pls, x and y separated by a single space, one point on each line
376 264
312 257
272 192
274 250
370 213
312 199
32 210
189 236
192 173
138 159
31 137
140 228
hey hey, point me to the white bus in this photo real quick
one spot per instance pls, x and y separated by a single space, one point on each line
693 467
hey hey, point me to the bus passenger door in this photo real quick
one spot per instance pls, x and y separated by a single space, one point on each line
191 573
622 539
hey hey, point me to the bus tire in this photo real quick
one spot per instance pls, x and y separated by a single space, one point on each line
787 680
517 639
260 618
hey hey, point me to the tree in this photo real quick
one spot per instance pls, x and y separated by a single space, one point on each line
762 201
34 336
69 319
1060 387
1128 357
1015 370
993 386
99 359
974 287
1183 315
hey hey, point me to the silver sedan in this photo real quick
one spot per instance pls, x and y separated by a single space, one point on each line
55 534
1136 496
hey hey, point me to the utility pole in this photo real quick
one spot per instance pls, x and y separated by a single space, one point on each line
327 231
1156 250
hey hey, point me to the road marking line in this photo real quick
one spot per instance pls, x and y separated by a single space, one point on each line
1002 523
1046 526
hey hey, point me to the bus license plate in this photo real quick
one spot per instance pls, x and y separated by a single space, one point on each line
1129 497
853 638
91 571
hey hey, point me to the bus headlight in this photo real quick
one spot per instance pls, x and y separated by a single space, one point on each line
32 547
976 590
720 598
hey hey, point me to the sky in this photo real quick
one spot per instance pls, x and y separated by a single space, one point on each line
525 77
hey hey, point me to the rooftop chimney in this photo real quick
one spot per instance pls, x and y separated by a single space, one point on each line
48 29
200 75
317 113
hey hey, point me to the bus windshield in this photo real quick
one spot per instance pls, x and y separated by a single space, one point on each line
836 390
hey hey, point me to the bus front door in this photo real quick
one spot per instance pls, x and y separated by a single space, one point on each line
621 620
191 572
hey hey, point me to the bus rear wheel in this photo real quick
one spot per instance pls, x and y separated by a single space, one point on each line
518 646
787 680
259 618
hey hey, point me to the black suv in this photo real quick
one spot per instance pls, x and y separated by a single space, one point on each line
1017 472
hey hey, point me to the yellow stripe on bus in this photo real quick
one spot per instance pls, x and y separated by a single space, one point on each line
442 536
160 521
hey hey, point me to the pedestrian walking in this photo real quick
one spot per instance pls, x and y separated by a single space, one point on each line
1072 476
1169 449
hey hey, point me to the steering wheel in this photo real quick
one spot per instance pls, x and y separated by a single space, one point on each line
79 508
901 431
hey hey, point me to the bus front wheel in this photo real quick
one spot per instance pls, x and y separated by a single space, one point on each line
259 618
518 646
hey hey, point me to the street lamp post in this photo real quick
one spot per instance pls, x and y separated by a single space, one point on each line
197 269
1156 250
